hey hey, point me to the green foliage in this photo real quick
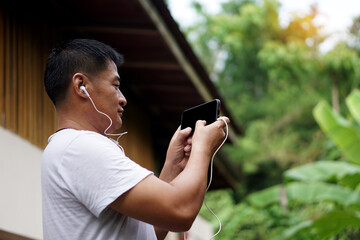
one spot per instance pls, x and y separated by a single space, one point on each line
341 131
271 77
353 103
292 60
342 61
324 181
355 32
305 193
325 171
238 220
344 180
333 223
342 67
292 231
238 33
328 226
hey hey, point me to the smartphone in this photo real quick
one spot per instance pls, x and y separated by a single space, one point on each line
208 111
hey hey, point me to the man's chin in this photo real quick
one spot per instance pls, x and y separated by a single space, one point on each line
117 125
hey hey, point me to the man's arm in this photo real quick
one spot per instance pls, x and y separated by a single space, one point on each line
174 206
176 159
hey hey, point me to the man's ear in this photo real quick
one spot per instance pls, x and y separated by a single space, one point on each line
78 80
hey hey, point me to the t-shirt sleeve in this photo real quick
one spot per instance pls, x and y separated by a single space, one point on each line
97 172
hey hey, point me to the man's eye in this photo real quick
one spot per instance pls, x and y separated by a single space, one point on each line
117 86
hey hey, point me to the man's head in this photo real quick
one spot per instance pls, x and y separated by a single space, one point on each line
94 66
86 56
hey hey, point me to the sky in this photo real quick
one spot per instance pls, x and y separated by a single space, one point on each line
335 15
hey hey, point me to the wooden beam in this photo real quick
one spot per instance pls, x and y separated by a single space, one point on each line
113 30
152 65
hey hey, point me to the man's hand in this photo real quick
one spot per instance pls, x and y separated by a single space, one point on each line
207 138
177 154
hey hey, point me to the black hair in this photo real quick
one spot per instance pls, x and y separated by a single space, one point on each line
79 55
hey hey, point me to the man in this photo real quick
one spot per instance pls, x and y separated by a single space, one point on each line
91 190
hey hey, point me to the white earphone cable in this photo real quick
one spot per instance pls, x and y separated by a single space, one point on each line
211 177
105 131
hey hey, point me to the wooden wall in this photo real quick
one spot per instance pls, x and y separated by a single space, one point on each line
25 109
138 141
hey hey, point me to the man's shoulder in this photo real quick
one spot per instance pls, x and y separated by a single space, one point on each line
71 139
78 136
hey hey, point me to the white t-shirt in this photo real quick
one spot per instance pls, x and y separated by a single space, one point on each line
82 173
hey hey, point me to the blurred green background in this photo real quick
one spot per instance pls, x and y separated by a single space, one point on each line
300 109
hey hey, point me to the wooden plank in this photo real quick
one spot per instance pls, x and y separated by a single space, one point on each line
33 87
48 109
37 87
26 83
49 115
41 119
20 90
2 69
32 94
24 123
14 76
29 78
7 71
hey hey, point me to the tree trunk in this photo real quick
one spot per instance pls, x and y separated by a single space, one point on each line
335 94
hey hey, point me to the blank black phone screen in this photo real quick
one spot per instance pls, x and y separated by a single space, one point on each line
208 111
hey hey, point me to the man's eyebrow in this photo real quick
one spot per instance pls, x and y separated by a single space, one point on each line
117 78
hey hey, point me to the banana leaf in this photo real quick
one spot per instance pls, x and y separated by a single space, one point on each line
292 231
322 171
341 131
324 227
334 222
353 103
306 192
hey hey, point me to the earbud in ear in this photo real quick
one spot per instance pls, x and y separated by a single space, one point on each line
84 90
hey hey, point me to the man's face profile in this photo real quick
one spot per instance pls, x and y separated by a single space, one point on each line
106 94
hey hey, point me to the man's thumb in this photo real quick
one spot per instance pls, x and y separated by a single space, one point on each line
184 133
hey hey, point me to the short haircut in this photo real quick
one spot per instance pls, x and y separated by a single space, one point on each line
86 56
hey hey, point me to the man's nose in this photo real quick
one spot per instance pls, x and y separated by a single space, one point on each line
122 100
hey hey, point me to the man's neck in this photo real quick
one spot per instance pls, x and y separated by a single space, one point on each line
75 122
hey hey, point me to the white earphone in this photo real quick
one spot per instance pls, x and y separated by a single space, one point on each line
82 88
